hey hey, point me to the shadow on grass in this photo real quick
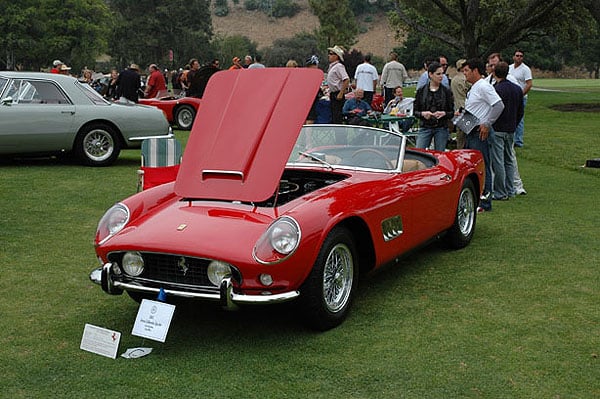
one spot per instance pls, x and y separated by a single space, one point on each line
57 160
197 324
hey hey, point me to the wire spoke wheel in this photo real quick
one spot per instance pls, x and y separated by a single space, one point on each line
466 211
328 291
185 117
461 232
338 277
98 145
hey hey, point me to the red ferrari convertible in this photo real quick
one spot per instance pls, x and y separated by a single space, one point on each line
180 111
265 210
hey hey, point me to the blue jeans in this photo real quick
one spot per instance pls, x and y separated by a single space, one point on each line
520 127
475 143
504 164
438 134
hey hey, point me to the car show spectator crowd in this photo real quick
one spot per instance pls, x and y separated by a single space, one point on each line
496 98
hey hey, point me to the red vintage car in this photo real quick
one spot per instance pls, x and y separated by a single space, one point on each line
265 210
179 110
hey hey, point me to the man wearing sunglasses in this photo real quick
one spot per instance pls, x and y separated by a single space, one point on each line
338 82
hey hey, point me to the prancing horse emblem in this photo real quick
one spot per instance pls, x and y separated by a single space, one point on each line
183 267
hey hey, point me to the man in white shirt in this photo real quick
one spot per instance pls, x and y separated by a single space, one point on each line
393 75
522 74
483 102
257 62
366 78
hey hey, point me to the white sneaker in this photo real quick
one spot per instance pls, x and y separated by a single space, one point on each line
521 192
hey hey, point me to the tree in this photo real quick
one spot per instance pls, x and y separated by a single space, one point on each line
418 46
34 32
298 48
17 33
338 24
476 27
145 32
233 46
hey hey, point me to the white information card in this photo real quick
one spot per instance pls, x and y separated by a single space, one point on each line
100 341
153 320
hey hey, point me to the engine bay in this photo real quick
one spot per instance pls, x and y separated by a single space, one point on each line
296 183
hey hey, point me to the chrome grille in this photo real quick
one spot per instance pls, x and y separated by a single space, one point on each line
175 269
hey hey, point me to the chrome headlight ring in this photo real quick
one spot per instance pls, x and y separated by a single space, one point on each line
113 221
278 242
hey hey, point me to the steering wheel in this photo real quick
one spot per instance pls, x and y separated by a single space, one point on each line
380 155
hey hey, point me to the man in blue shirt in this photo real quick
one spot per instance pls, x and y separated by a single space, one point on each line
355 108
504 161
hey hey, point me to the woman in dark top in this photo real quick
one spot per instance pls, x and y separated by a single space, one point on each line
434 106
111 92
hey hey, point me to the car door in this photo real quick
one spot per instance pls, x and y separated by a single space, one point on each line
35 116
431 193
407 209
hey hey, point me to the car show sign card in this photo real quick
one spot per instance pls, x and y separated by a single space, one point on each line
100 341
153 320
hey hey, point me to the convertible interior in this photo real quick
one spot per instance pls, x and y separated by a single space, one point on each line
295 183
374 157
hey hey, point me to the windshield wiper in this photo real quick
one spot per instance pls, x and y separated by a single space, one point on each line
316 158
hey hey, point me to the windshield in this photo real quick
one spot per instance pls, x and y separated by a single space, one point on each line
345 146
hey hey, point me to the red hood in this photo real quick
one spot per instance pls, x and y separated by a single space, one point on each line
245 131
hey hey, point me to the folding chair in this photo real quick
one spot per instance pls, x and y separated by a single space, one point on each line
160 162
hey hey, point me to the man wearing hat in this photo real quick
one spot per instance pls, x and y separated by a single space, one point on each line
338 81
128 83
65 69
459 87
236 63
56 66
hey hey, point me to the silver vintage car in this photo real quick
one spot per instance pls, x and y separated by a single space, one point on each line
44 113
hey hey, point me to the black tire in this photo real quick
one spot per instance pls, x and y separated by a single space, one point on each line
461 232
327 293
184 117
97 144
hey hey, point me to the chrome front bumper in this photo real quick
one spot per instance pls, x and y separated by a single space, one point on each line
104 276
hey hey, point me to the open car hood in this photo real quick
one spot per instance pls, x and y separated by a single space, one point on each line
245 131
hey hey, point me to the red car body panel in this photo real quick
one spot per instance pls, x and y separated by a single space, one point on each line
238 157
425 199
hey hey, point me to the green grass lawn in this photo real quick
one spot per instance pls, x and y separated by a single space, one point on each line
514 315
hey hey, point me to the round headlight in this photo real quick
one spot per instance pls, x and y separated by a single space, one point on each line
284 236
278 242
112 222
133 263
217 271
